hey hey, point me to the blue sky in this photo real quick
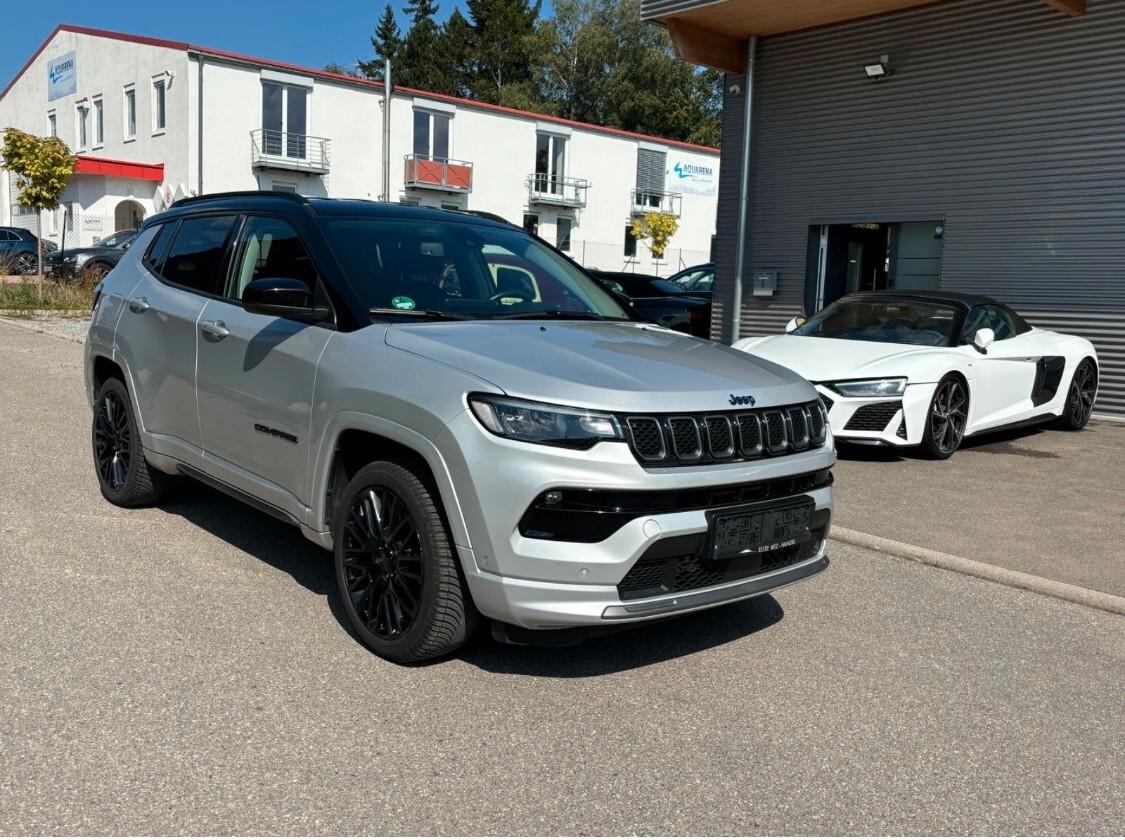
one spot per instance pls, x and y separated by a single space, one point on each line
309 33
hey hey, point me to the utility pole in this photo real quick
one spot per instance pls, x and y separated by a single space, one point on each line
386 196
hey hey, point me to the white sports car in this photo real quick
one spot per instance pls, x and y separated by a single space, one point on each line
903 368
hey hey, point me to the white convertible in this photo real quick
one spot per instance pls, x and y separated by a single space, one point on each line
926 369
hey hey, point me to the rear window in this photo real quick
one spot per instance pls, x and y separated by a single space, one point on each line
195 259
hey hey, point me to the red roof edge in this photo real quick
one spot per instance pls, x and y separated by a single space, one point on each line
355 80
89 165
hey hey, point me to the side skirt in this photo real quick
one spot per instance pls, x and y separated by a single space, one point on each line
1019 424
239 495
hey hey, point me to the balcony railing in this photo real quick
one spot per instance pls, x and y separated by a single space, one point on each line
270 149
653 201
547 189
430 173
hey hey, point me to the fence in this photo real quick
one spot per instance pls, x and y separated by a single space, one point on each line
608 256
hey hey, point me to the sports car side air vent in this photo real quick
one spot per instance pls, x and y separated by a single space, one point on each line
687 439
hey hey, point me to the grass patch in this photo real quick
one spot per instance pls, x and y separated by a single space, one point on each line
24 295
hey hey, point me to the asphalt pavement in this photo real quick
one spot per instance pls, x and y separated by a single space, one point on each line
186 669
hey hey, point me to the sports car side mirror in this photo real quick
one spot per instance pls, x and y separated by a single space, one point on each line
983 339
796 322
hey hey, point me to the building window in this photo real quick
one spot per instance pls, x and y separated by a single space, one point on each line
431 135
284 120
562 234
550 163
52 124
531 223
630 242
99 123
130 112
651 167
159 105
82 125
283 186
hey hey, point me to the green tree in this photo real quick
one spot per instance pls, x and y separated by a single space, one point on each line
43 166
422 60
505 40
458 45
387 44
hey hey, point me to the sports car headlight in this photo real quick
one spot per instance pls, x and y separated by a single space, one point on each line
552 425
871 387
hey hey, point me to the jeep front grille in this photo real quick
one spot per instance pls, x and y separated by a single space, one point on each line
671 440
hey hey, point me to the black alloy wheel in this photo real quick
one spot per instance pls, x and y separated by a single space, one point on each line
383 563
1080 396
945 426
93 274
396 567
113 441
25 264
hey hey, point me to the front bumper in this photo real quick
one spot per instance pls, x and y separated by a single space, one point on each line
546 583
884 421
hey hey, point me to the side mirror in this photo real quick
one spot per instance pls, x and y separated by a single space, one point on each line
283 297
983 339
794 323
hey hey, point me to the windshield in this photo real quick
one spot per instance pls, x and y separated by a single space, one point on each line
462 269
889 320
116 240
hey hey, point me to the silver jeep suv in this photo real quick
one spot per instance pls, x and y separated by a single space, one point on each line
472 424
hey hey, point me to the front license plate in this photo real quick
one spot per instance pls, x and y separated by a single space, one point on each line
759 531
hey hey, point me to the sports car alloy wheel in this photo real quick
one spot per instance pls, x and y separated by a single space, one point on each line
948 413
113 441
383 563
1080 399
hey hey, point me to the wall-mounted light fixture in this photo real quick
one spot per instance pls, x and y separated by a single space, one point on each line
879 70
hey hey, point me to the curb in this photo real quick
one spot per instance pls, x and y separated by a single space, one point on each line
29 326
1019 580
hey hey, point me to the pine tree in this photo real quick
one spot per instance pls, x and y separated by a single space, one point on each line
387 44
505 41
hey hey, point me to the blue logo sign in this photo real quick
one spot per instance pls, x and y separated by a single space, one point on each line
62 77
744 399
691 177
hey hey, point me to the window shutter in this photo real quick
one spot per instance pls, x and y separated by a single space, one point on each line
650 170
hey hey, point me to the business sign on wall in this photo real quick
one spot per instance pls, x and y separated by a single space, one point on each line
685 176
62 77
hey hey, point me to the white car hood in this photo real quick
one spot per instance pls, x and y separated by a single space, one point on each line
609 366
833 359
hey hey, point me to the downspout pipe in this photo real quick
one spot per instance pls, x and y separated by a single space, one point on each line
734 323
387 89
199 129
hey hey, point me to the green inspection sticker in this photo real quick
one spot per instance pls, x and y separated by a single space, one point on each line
402 302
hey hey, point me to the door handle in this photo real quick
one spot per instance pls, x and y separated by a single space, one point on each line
215 329
139 305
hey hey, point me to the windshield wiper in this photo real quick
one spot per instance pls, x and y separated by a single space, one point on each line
551 314
417 314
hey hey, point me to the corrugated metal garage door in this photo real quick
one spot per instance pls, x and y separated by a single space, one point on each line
1004 118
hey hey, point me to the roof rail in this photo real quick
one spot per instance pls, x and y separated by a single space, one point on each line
484 214
196 199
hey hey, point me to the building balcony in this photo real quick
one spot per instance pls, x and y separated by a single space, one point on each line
652 201
270 149
423 172
560 192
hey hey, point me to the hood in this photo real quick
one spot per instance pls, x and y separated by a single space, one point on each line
832 359
91 251
612 366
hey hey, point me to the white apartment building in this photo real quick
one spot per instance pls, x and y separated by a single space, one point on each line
153 120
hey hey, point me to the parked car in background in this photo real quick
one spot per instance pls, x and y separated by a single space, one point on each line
661 301
17 250
472 424
929 368
92 263
697 280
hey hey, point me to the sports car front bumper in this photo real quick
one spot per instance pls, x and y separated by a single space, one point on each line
889 421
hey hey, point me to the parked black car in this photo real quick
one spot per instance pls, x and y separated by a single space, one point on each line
696 280
17 250
661 301
92 263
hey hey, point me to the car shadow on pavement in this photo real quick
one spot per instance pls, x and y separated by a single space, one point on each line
635 647
1005 442
282 546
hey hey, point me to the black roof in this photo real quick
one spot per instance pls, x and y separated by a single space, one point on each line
338 207
936 295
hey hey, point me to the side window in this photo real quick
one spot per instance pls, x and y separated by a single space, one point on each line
269 248
988 317
195 259
158 248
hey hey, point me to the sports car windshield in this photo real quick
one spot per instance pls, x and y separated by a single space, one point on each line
461 270
892 321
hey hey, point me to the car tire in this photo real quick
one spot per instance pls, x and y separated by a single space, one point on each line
126 479
396 568
945 422
1080 397
93 274
25 264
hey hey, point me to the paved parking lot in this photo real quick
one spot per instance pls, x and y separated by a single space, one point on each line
1038 500
185 670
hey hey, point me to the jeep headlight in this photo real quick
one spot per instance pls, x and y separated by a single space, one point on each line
553 425
893 387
